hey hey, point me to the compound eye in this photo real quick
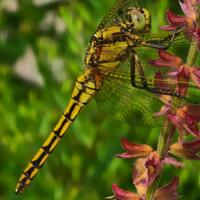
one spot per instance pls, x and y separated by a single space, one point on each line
138 20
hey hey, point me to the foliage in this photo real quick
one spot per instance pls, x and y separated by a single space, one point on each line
83 166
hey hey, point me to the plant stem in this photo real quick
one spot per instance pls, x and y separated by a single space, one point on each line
168 130
192 54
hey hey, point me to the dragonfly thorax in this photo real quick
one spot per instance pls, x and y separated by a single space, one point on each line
108 48
138 20
111 45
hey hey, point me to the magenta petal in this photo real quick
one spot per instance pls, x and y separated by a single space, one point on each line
168 28
184 8
158 75
193 130
125 155
154 166
172 161
194 145
186 119
175 19
174 120
134 150
195 76
163 111
160 63
195 71
121 194
192 112
189 7
167 60
171 58
186 150
173 74
129 146
166 56
168 192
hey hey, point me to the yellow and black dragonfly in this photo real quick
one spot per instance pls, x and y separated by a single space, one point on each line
114 63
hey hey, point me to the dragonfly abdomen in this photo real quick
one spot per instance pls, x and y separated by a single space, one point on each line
85 89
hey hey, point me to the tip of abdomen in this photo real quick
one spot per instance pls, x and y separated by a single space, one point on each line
19 188
23 182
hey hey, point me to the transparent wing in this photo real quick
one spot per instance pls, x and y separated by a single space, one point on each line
116 12
119 100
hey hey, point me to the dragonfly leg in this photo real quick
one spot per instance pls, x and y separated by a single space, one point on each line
143 83
161 43
135 63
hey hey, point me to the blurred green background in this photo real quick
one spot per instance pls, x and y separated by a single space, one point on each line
42 47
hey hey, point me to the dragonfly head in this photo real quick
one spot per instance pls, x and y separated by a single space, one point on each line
138 19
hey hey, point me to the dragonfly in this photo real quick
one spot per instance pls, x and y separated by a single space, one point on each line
114 75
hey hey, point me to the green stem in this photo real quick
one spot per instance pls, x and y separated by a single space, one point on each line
192 54
167 132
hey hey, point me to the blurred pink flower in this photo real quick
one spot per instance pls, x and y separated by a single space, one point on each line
168 192
146 170
189 22
120 194
134 150
186 119
154 166
187 150
182 72
191 11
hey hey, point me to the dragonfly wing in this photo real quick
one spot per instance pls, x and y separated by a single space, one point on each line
115 13
119 100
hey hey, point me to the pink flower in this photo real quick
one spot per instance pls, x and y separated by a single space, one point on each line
186 119
189 22
134 150
120 194
146 170
171 161
182 72
154 166
167 60
174 21
168 192
187 150
190 9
